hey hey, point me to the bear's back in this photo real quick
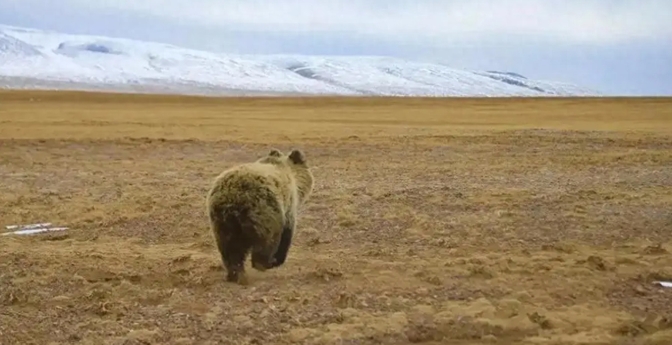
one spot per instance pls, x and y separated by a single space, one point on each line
251 178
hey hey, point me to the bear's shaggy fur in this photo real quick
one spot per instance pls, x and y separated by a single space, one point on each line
254 206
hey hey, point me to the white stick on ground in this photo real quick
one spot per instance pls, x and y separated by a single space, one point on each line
27 226
33 231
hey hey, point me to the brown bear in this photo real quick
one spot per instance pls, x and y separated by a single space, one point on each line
253 206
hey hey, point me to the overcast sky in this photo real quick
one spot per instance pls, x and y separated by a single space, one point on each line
616 46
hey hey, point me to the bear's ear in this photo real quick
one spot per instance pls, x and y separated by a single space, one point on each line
275 153
297 157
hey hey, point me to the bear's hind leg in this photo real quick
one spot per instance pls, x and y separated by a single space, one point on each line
234 253
283 248
263 256
261 261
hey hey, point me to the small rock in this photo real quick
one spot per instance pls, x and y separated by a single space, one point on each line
489 338
422 291
640 291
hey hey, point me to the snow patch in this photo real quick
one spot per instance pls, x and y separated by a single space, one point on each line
12 47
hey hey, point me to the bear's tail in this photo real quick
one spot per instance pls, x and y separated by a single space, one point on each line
232 222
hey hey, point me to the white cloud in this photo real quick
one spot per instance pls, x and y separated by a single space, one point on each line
583 21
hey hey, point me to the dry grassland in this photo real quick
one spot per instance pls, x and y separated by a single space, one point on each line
433 221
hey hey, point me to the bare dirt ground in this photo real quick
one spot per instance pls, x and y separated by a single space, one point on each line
433 221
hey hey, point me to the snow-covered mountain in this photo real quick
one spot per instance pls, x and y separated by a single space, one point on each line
32 58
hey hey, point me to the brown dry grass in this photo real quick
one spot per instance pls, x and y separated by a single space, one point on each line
463 221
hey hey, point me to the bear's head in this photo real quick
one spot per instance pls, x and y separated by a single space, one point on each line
296 162
304 177
273 157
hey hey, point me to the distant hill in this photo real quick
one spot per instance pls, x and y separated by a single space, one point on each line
49 60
